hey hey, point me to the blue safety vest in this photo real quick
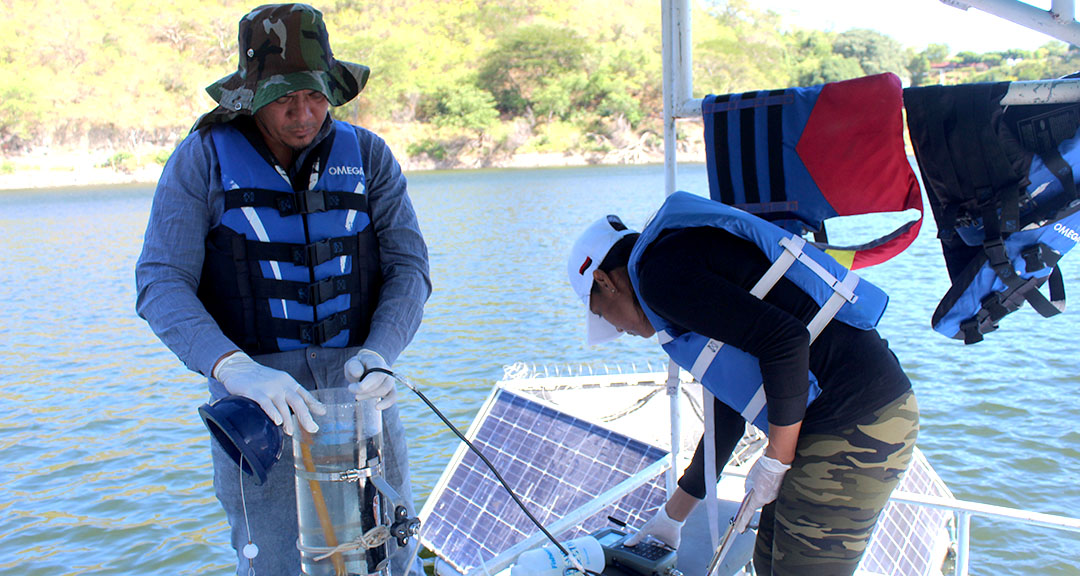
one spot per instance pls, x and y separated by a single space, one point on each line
285 270
1005 188
732 375
1001 278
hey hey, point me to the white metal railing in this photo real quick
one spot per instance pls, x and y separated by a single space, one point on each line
964 511
1058 22
524 371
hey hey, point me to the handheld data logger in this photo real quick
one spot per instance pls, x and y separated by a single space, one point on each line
645 559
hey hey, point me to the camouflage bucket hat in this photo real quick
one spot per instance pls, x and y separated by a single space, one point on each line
285 48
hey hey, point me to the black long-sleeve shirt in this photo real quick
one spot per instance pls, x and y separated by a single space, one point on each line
699 279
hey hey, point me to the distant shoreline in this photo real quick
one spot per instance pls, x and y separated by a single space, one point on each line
64 169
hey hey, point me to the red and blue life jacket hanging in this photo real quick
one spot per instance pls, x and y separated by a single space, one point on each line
800 156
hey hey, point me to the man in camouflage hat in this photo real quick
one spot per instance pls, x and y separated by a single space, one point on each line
282 256
283 48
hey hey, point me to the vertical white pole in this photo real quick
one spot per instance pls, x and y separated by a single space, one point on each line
668 17
963 541
1063 10
667 8
675 23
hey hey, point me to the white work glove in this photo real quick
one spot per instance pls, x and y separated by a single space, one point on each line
276 392
764 479
662 527
376 384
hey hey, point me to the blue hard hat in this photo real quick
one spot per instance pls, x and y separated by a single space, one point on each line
243 429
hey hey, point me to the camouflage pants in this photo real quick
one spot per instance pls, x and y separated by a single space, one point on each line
831 498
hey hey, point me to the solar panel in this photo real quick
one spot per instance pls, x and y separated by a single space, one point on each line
557 462
911 540
553 461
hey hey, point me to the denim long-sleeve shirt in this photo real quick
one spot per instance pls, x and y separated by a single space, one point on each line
189 202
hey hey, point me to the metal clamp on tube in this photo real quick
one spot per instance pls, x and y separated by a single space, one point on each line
403 527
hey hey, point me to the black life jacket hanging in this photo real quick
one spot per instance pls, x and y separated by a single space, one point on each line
1002 189
800 156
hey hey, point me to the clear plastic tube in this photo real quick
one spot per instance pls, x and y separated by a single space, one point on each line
337 504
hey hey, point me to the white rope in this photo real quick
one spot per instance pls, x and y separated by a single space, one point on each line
373 538
254 550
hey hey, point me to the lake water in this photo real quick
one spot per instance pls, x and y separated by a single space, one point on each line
105 465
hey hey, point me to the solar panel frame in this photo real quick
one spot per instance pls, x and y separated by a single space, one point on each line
555 462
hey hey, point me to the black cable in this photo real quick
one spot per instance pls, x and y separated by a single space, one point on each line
478 453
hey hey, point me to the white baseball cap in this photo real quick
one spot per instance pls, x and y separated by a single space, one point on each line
588 252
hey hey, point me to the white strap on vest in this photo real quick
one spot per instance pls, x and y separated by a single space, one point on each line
843 291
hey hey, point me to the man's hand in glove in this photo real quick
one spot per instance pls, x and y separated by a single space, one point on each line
276 392
376 384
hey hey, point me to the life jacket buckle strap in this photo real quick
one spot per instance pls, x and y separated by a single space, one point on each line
314 201
318 252
320 332
1039 256
998 257
307 202
998 305
323 290
973 328
311 201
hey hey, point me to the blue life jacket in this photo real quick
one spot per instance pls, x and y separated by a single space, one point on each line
732 375
285 270
1003 190
997 281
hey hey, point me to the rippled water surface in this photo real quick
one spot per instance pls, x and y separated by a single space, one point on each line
105 465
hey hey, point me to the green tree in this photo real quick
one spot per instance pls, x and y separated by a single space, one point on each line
118 73
526 62
463 106
875 52
991 59
936 53
738 49
1029 70
623 85
919 69
966 57
1060 59
1016 54
832 68
809 48
20 115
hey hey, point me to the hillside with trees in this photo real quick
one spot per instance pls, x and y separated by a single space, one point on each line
454 84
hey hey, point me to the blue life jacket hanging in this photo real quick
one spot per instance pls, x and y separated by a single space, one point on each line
799 156
1002 189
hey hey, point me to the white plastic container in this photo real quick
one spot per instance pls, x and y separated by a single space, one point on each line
549 561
